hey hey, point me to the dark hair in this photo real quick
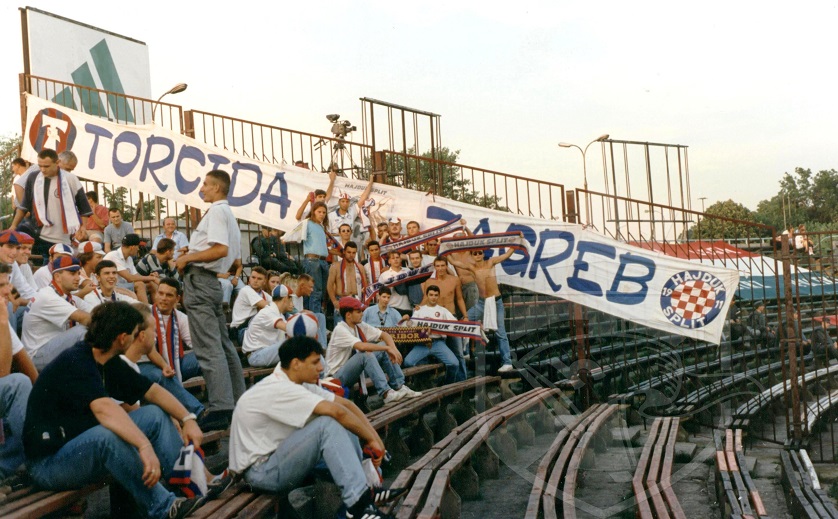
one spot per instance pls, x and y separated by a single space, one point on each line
373 242
85 257
114 209
382 223
103 265
341 226
394 252
441 258
414 251
93 195
319 192
223 179
298 347
109 321
165 245
304 277
273 274
259 270
172 282
318 205
352 244
385 290
47 153
414 221
344 311
5 269
432 287
20 162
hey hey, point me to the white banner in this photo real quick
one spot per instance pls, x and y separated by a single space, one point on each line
565 260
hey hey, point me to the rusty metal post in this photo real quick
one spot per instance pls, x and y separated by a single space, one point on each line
791 341
193 216
379 167
579 323
23 83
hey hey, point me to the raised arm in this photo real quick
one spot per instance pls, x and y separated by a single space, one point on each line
366 194
333 174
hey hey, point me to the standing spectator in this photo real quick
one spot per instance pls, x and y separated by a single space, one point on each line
315 197
413 228
56 320
383 232
117 230
75 433
315 251
346 212
267 330
394 230
346 278
285 425
98 219
250 300
213 247
439 348
399 300
19 169
170 232
57 202
129 279
376 264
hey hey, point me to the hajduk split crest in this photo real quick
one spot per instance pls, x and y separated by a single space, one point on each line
692 298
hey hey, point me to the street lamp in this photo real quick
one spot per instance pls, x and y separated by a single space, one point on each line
584 162
180 87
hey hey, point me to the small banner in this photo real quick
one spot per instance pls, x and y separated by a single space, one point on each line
412 242
402 277
465 329
484 241
408 334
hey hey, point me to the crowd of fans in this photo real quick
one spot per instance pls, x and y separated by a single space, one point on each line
97 330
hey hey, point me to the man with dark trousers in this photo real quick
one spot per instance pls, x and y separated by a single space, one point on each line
213 247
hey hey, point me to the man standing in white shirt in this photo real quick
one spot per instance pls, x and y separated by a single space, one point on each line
214 246
250 300
439 348
56 319
267 330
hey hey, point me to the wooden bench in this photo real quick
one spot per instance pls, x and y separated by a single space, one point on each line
556 476
735 490
419 377
804 495
251 376
239 501
817 410
652 478
32 503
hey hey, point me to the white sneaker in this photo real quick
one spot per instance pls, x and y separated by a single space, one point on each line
506 368
409 393
393 396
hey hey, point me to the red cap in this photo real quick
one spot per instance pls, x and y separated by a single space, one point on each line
350 302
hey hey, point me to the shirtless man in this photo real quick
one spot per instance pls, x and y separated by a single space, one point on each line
487 285
346 278
450 288
470 292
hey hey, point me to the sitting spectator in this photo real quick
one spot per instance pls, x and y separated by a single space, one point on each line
117 230
285 425
734 316
382 315
376 264
267 330
170 232
250 300
106 291
10 243
346 278
353 335
159 261
43 276
823 345
439 348
98 219
23 254
230 282
89 254
451 297
56 320
399 300
14 387
178 362
759 329
75 434
129 279
303 288
273 281
271 252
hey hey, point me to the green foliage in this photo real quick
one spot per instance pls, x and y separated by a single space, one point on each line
804 198
9 150
716 228
442 176
117 198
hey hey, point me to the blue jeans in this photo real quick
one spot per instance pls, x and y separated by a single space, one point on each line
321 329
56 346
322 439
350 373
189 366
395 376
475 313
319 270
173 386
99 452
14 394
441 351
455 344
266 357
227 289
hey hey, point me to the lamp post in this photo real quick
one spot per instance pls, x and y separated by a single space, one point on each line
180 87
585 169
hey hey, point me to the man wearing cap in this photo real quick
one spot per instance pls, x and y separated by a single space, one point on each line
56 319
117 230
57 202
346 212
346 278
394 230
170 231
267 330
89 254
10 242
352 350
43 276
130 279
214 246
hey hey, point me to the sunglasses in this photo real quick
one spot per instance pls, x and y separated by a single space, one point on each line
476 253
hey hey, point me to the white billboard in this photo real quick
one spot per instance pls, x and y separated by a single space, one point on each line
66 50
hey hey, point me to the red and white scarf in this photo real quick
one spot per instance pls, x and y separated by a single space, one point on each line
376 268
169 348
70 219
68 297
413 242
481 242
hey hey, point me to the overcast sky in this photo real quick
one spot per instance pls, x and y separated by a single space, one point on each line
749 87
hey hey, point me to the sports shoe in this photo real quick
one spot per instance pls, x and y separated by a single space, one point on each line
393 396
219 484
506 368
409 393
381 496
182 507
366 509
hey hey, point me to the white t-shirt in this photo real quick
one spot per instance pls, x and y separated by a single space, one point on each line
95 298
343 341
47 317
24 288
42 277
26 271
434 312
262 331
299 302
21 180
396 300
16 344
121 262
336 219
218 226
267 414
245 305
379 269
161 334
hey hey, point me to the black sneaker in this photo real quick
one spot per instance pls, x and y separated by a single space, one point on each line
214 421
217 486
382 496
182 507
366 509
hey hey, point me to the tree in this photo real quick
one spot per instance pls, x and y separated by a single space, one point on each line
803 198
9 150
130 213
722 227
441 175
